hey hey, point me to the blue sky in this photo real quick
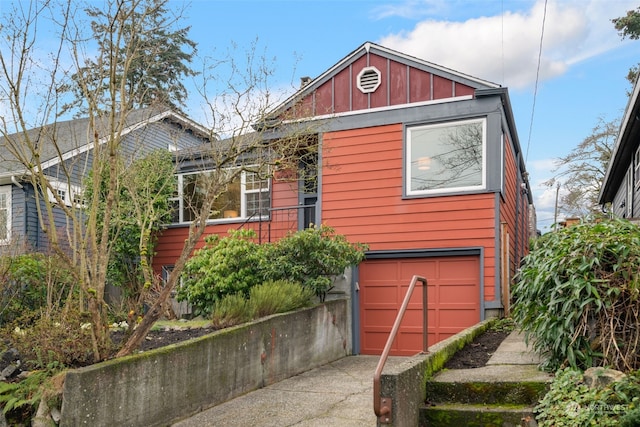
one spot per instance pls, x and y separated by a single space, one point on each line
581 77
582 70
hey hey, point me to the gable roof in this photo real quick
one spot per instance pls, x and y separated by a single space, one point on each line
71 137
368 49
625 146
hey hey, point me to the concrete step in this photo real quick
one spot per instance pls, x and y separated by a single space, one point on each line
450 414
495 384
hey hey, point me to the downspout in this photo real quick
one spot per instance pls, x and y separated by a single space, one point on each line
15 181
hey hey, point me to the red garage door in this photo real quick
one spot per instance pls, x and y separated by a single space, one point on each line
453 292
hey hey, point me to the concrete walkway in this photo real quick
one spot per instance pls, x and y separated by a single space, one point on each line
340 393
337 394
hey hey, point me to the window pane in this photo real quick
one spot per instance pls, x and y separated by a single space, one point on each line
193 193
228 204
446 156
258 204
253 182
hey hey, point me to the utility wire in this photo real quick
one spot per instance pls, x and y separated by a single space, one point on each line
535 91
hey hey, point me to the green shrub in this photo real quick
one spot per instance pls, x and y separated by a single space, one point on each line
31 283
311 257
278 297
224 266
576 296
235 264
570 402
62 337
231 310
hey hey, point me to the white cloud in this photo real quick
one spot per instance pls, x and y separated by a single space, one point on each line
504 48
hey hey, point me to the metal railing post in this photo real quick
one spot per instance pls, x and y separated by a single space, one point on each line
382 405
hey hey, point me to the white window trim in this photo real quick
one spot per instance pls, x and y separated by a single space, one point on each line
70 191
437 191
6 189
243 199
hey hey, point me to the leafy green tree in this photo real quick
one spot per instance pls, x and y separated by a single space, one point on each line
143 208
154 74
628 26
581 172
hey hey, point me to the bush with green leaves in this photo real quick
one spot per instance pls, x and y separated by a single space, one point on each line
60 337
235 264
31 283
577 296
224 266
570 402
312 257
265 299
278 296
231 310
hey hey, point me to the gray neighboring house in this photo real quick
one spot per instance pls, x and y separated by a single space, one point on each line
621 185
146 130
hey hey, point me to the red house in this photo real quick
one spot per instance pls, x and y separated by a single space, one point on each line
420 162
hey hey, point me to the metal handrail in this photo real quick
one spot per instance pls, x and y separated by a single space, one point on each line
382 406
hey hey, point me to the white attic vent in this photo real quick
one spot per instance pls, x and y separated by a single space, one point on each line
368 79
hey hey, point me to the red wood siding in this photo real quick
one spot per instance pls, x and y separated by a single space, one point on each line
359 100
341 95
284 194
421 89
508 211
400 84
362 199
379 97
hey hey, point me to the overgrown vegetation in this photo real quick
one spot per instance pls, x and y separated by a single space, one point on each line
265 299
235 264
21 399
570 402
577 295
31 283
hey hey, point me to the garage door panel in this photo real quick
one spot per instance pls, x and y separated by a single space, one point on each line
380 295
457 293
457 318
453 293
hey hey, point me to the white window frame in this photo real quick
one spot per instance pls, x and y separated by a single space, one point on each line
68 193
447 190
179 198
5 190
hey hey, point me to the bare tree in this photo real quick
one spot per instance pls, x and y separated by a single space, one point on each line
236 105
581 172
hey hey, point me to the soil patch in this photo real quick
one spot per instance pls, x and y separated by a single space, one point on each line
477 353
163 337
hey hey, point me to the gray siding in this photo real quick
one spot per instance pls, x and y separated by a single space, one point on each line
620 200
18 213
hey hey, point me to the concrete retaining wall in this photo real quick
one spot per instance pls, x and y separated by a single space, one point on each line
170 383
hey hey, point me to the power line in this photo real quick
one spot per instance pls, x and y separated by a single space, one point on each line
535 91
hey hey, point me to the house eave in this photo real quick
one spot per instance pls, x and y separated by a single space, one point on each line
623 149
